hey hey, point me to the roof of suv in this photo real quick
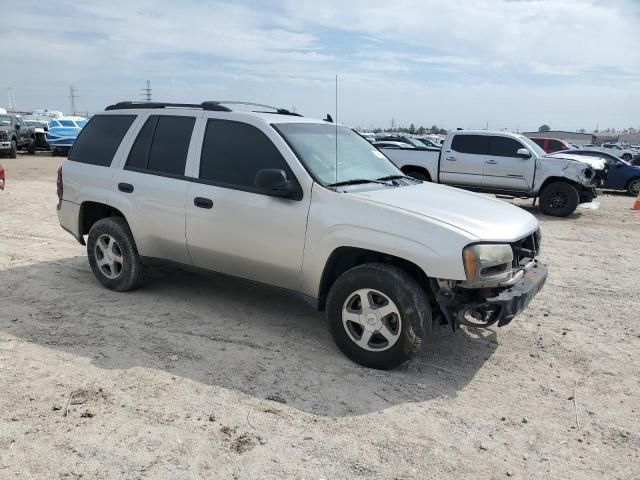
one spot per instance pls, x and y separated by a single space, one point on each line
278 115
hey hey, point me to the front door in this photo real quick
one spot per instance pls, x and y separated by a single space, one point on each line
503 169
232 227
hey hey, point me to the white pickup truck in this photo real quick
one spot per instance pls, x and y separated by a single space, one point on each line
505 164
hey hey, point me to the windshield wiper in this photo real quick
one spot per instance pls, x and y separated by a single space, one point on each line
357 181
398 177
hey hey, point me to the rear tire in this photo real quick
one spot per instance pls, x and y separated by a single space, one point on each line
113 255
626 156
633 187
13 151
378 315
559 199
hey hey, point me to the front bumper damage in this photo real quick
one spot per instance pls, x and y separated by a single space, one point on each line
485 307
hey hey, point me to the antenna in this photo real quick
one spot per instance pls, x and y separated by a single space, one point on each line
146 92
72 96
336 124
12 101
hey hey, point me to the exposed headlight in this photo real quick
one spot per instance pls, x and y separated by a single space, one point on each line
487 264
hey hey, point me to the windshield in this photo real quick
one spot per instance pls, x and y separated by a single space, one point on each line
53 123
315 145
5 120
533 146
81 123
67 123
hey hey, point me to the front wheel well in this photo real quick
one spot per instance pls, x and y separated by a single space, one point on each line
551 180
345 258
91 212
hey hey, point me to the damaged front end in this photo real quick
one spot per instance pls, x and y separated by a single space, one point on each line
587 172
502 279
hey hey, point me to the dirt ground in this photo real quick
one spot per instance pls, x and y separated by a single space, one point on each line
204 377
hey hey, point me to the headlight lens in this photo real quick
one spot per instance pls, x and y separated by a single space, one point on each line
487 263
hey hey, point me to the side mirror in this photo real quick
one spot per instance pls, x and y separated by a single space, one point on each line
523 153
274 182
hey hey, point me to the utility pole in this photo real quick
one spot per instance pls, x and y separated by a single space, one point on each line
146 92
73 94
12 101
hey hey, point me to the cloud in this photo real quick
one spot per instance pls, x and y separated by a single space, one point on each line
419 61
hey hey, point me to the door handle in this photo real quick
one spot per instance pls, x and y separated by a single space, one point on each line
125 187
491 162
202 202
451 159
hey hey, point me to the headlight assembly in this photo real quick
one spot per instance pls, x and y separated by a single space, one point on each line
487 264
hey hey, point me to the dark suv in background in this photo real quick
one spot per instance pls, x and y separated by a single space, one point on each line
15 134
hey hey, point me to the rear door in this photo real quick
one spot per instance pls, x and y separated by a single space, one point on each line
151 189
234 228
503 168
462 161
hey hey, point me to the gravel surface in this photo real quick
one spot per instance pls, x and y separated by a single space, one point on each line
198 376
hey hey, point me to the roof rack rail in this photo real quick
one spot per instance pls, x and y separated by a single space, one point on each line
280 111
212 106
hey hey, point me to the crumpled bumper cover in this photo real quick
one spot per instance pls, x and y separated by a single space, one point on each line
515 299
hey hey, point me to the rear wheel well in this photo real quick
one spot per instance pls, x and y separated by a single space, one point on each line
91 212
408 169
345 258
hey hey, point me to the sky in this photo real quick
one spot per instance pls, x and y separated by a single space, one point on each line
508 64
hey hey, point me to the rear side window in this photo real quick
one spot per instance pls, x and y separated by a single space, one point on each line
474 144
100 138
504 147
555 145
234 152
162 145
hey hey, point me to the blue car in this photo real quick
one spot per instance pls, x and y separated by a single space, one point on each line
621 175
62 133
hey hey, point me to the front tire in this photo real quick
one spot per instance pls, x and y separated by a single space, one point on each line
418 175
113 255
633 187
13 152
31 148
378 315
559 199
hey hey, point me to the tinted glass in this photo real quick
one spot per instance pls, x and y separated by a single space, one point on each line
475 144
139 154
170 144
233 152
504 147
100 138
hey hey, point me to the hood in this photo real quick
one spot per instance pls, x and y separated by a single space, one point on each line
486 218
594 162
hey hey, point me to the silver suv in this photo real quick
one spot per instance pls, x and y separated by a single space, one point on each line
301 204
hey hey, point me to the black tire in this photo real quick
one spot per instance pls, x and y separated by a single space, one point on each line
31 147
559 199
410 299
626 156
633 187
13 152
130 274
419 175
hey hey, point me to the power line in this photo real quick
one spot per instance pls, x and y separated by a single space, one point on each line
146 92
73 94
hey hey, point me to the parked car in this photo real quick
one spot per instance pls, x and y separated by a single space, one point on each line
2 180
266 197
15 135
618 151
621 175
551 145
40 126
429 143
63 133
392 144
507 164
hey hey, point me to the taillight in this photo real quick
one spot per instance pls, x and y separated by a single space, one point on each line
59 187
1 178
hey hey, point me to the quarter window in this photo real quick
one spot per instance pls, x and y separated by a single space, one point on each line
504 147
473 144
234 152
99 140
162 145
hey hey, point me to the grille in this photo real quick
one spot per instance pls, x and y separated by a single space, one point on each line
526 249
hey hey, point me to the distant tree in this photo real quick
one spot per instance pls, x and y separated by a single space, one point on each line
442 131
544 128
421 130
582 130
434 129
412 129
